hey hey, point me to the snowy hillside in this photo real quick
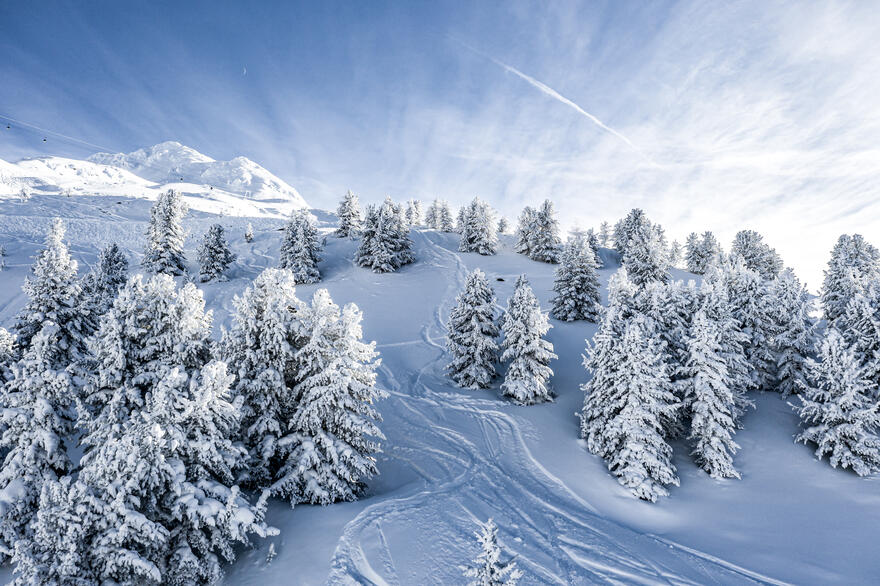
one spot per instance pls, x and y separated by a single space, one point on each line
453 457
237 187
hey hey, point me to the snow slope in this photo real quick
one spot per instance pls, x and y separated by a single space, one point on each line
453 456
238 187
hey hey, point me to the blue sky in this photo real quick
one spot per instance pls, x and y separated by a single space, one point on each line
709 115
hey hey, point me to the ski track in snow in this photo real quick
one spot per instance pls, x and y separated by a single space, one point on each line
466 478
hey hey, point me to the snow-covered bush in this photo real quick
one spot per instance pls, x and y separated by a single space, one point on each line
577 284
165 235
350 217
471 334
301 248
214 255
525 350
487 568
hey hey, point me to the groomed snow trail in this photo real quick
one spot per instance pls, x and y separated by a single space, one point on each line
470 460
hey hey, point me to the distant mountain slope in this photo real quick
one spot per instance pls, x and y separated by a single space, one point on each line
238 187
171 162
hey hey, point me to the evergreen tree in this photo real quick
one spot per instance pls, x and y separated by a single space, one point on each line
478 229
794 333
756 255
2 257
8 355
165 235
472 333
214 255
525 348
350 218
301 248
414 212
839 416
635 221
53 291
544 242
445 215
577 284
330 450
503 225
628 398
711 250
386 245
249 233
693 254
593 241
675 254
604 234
487 569
159 440
524 231
645 258
268 329
854 264
36 422
709 399
432 215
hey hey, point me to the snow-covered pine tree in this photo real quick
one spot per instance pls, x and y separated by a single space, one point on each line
414 213
709 399
544 242
249 233
604 234
861 319
645 257
53 291
593 241
487 569
503 225
711 250
837 411
2 257
524 348
628 398
159 429
461 218
635 220
386 245
854 263
444 216
524 230
350 218
693 257
432 215
268 328
330 451
214 255
8 355
100 286
675 254
478 229
36 422
577 284
301 248
472 333
165 235
794 336
756 255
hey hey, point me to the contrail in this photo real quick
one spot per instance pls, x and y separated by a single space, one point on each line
547 90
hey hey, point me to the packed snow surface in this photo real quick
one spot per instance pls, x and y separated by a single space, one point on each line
453 457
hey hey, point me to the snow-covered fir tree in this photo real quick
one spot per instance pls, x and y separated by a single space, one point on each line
478 229
386 245
854 263
645 257
709 399
8 354
159 436
794 336
604 234
461 219
414 212
675 254
165 235
837 410
2 257
861 333
331 449
577 284
524 348
37 425
350 217
301 248
444 215
756 254
268 328
544 242
593 241
249 233
627 400
472 332
635 220
487 568
525 228
431 215
503 225
214 255
99 288
53 293
693 258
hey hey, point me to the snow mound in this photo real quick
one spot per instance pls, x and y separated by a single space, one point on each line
171 162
